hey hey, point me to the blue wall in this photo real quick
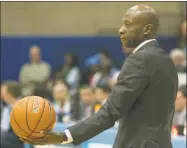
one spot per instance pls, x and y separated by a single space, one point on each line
14 50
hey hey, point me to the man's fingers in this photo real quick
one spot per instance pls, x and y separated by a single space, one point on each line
23 140
47 132
31 141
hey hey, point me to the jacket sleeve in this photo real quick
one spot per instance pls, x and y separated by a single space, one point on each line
132 82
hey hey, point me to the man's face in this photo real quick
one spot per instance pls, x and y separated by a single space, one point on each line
132 30
86 96
180 102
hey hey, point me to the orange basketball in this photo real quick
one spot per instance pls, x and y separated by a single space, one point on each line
31 115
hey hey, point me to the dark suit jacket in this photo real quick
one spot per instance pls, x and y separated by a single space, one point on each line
143 100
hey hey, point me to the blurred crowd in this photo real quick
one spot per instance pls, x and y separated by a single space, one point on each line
77 94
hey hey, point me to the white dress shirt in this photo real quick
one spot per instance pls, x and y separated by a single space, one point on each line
143 43
67 132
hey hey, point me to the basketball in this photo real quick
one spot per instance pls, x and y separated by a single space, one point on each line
31 115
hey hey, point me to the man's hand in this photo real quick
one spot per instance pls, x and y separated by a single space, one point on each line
50 138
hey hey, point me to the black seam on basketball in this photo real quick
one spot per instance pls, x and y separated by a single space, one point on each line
34 137
52 120
50 112
50 109
30 135
27 123
32 107
50 116
20 127
38 120
17 123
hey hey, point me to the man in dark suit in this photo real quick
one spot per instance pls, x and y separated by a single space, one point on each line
143 98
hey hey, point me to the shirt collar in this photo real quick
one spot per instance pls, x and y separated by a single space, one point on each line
103 102
142 44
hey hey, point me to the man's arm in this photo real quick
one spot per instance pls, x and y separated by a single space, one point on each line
132 82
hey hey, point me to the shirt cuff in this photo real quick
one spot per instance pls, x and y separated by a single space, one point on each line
69 136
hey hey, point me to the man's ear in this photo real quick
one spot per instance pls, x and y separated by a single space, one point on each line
148 29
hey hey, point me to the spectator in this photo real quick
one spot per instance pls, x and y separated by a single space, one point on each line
180 108
53 81
70 71
62 103
179 59
105 57
103 77
34 73
92 66
85 108
101 95
113 80
43 92
10 93
95 63
60 79
89 72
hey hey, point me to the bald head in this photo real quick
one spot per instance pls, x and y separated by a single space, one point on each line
146 15
142 7
140 23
